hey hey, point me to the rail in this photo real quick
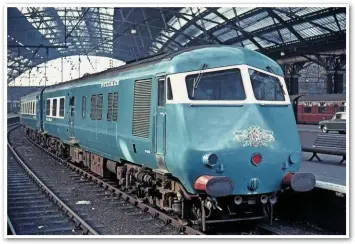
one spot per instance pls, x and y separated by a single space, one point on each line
80 222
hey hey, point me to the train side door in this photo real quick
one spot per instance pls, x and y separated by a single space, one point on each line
71 115
160 125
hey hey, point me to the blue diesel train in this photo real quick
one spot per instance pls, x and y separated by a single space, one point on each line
207 133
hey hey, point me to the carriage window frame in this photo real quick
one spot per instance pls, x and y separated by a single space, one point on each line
61 107
83 107
48 107
322 109
28 107
54 107
306 111
57 111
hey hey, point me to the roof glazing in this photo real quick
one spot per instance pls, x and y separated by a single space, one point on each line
131 33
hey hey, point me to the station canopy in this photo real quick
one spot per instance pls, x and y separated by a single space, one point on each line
37 35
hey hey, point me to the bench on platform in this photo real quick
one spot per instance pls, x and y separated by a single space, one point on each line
328 143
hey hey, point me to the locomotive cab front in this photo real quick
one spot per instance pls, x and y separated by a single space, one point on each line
232 137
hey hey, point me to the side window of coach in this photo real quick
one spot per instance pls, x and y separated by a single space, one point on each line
54 108
48 107
61 107
83 111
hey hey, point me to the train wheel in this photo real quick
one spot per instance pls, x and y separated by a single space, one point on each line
324 129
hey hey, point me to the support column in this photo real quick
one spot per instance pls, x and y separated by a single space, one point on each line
292 84
334 76
329 82
292 77
339 82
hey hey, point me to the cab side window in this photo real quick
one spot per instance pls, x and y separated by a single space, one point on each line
169 91
161 92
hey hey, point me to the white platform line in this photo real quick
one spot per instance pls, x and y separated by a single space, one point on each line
331 186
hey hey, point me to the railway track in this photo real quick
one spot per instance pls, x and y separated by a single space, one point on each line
32 208
266 229
114 190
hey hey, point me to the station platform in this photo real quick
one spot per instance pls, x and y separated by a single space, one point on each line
329 174
12 115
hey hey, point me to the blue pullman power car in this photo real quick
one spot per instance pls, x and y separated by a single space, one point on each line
207 133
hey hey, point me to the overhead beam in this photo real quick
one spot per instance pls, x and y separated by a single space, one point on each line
287 25
198 26
37 46
336 21
232 25
77 23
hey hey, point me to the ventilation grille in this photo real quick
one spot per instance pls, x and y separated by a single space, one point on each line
99 107
141 108
109 107
115 106
93 107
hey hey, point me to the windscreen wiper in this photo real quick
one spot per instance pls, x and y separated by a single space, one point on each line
197 80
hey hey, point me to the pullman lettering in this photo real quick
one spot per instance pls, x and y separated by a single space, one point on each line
110 83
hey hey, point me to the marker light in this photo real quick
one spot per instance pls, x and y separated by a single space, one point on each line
256 159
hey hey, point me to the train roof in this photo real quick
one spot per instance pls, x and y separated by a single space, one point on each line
320 97
185 60
32 95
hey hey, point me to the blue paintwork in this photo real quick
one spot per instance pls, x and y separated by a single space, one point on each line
216 57
31 120
191 132
200 130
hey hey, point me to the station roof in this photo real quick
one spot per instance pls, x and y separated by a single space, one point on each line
39 34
